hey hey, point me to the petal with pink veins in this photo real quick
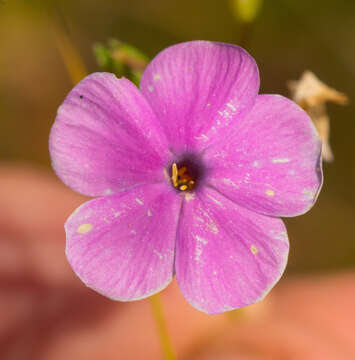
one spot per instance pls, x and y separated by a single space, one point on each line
123 245
106 138
227 256
199 89
271 162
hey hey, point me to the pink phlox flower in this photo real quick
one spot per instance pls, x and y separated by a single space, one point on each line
191 173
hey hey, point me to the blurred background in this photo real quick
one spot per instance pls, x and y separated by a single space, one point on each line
45 312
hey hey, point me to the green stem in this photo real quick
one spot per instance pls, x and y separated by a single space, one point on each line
161 327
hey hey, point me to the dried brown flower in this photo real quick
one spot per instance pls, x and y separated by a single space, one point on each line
312 94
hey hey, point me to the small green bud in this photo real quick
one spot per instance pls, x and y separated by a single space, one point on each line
121 59
246 10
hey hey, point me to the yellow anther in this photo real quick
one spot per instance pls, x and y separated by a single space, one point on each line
174 176
181 178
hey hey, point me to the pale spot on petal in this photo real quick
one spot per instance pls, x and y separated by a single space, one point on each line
230 182
224 114
198 253
189 196
281 160
108 192
254 249
231 106
201 240
139 201
200 243
246 178
151 88
269 192
149 213
156 77
213 227
202 137
215 200
157 253
84 228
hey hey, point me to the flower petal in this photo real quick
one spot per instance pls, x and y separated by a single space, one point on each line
123 245
271 162
198 89
106 137
227 256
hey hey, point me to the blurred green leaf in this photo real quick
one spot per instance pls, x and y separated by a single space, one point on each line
122 59
246 10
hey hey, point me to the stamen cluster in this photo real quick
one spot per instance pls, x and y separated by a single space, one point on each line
181 178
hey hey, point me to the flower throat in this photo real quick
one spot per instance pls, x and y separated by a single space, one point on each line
181 178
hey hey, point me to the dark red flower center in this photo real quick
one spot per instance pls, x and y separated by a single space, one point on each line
186 173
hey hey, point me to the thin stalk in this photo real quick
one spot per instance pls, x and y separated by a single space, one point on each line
163 334
71 57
